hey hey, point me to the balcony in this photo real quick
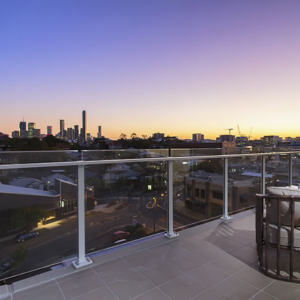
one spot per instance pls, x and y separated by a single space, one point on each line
214 259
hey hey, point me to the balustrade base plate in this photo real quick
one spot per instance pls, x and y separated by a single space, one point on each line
86 262
171 235
226 218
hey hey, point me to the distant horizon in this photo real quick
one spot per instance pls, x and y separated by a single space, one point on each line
149 135
179 67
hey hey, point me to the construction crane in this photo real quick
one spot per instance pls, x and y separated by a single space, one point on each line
239 130
229 130
249 136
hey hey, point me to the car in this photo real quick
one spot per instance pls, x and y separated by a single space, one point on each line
22 237
7 270
120 235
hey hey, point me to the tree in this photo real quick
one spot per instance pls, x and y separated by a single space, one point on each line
123 136
27 217
4 180
144 136
19 256
133 135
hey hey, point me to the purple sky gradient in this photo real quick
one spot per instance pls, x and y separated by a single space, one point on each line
178 67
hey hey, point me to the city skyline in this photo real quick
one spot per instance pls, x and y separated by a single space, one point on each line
161 66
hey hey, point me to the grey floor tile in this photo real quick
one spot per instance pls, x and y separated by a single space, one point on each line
207 295
75 274
131 286
178 257
263 296
283 290
80 285
162 273
211 235
102 293
182 288
114 270
209 275
209 252
229 264
242 238
48 292
185 261
154 294
227 245
189 243
254 277
246 254
143 260
33 289
233 288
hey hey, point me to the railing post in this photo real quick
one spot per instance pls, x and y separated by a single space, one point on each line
263 175
82 260
170 233
290 170
225 216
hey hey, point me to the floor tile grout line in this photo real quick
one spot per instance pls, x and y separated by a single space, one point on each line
263 290
37 286
77 274
106 285
87 293
60 290
207 290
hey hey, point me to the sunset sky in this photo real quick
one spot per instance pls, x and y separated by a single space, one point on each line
145 66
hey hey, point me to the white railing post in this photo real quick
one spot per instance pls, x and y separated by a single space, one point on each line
170 233
290 170
263 175
225 216
82 260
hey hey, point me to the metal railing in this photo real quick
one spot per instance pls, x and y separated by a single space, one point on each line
82 258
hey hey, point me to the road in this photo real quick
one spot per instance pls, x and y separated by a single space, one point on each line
60 242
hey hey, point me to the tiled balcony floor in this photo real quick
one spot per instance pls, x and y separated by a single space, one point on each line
213 261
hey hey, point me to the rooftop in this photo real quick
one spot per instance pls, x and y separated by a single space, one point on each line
212 261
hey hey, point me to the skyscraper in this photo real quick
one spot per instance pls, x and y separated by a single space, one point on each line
76 131
70 133
23 132
31 127
99 132
49 130
83 137
62 128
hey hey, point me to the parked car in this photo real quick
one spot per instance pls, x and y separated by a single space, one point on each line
7 270
22 237
120 235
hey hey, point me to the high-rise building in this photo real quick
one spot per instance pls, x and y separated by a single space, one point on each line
70 134
83 137
23 132
49 130
15 134
99 132
62 128
31 127
89 137
36 133
197 137
76 131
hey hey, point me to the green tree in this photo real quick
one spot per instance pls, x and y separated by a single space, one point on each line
19 256
4 180
27 217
